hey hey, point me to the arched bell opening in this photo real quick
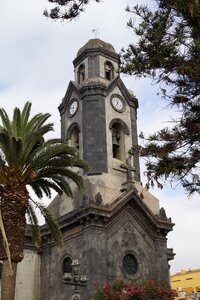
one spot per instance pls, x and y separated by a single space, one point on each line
118 147
109 70
73 136
119 129
81 74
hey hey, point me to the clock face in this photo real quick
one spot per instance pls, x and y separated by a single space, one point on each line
117 103
73 108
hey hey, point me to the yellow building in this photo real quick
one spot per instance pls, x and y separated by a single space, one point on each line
188 281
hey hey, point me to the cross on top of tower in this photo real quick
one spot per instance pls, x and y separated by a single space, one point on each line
96 31
129 169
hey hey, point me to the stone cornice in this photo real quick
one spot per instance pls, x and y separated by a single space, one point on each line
96 51
93 88
71 87
101 217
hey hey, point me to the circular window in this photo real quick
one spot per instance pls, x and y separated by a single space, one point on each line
67 265
129 264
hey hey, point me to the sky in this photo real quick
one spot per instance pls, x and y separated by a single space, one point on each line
36 57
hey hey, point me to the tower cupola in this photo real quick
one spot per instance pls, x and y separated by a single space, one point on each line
96 60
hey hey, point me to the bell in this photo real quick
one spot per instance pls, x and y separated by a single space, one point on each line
114 141
76 145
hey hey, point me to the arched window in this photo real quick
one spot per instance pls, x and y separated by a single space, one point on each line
73 135
129 264
81 74
75 138
118 141
109 70
67 265
119 129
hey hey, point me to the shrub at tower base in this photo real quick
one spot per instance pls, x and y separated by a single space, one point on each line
129 290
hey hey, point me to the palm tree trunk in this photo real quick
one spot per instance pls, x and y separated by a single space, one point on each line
14 203
8 281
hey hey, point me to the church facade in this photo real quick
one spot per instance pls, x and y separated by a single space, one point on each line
115 228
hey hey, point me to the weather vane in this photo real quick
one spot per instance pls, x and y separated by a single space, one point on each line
96 31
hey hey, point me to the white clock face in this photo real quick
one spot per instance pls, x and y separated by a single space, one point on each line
117 103
73 108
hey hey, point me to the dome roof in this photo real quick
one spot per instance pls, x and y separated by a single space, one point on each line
96 43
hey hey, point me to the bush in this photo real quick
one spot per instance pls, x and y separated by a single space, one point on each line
129 290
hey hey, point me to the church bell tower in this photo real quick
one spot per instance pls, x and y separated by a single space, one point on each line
115 228
98 113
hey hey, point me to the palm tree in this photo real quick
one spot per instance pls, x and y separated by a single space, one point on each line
26 159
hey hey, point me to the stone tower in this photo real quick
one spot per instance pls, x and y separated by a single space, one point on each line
115 228
100 108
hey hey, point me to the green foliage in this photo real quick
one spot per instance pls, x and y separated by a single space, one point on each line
66 9
26 159
33 220
168 51
51 223
128 290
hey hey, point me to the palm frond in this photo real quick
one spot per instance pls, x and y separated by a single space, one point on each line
51 222
52 185
44 186
33 220
79 163
64 185
25 116
16 123
16 150
11 148
57 141
37 121
30 148
5 121
44 154
71 175
37 189
63 174
2 161
5 146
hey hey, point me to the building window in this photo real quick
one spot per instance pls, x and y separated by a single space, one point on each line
109 70
118 129
73 135
67 265
129 264
81 74
75 138
118 147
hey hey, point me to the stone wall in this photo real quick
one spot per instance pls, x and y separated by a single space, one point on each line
28 277
100 238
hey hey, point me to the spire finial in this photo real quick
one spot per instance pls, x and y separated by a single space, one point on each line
96 31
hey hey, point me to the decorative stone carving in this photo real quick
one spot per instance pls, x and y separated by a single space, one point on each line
129 236
98 200
86 200
115 246
162 214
